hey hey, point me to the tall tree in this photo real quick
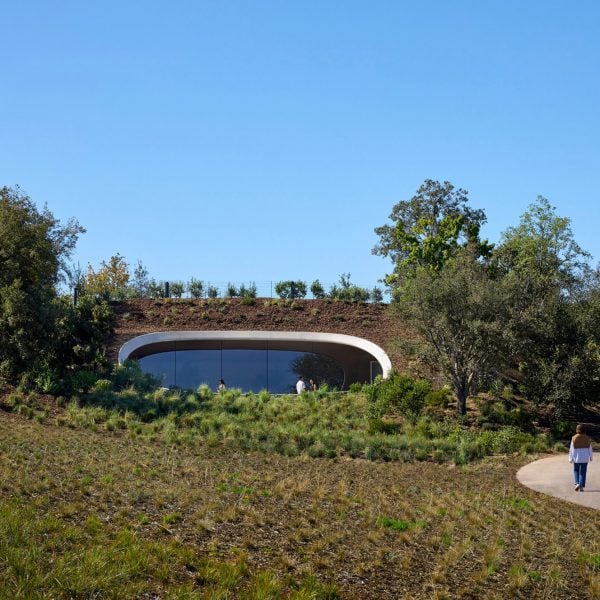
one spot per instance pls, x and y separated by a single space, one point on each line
427 230
461 312
548 275
34 248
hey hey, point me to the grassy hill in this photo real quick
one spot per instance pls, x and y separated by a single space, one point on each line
144 509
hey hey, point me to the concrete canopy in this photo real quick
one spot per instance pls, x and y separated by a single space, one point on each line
354 354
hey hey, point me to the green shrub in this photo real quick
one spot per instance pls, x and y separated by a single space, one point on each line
290 289
247 292
83 381
248 300
438 398
563 430
398 394
177 288
317 290
195 287
231 291
48 380
348 292
377 295
102 385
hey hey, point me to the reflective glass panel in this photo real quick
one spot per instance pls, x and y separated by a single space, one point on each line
250 370
194 367
245 369
161 366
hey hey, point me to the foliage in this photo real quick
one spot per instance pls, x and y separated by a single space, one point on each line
347 291
318 424
317 290
177 288
110 281
196 288
290 289
34 248
156 289
139 285
212 292
462 313
427 230
399 394
232 291
377 295
554 305
247 291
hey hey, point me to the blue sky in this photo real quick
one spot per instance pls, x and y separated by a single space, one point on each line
240 141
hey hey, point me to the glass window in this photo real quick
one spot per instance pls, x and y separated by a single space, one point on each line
245 369
248 369
161 366
194 367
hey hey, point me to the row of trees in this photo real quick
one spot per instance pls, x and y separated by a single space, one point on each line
343 290
528 306
114 280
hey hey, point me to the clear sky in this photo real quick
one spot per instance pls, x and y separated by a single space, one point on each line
264 140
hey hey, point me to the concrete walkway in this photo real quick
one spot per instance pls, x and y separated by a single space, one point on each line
554 476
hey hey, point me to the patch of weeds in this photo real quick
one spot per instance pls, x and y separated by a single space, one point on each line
517 503
534 576
172 518
399 524
589 559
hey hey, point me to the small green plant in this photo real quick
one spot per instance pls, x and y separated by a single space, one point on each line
399 393
177 289
172 518
290 289
232 291
195 287
399 524
317 290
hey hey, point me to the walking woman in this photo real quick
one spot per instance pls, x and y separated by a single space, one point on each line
580 454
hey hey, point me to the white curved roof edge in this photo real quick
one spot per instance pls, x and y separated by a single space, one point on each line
281 336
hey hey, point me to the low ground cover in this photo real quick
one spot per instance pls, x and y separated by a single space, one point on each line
99 513
319 424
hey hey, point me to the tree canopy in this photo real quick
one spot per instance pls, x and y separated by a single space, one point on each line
42 335
530 303
426 230
461 312
34 248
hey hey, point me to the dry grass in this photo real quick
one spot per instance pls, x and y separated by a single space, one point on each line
195 521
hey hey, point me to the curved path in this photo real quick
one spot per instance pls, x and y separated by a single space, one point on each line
554 476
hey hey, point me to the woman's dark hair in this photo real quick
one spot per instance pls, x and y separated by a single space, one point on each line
580 428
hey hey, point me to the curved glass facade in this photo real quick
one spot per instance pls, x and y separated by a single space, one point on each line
248 369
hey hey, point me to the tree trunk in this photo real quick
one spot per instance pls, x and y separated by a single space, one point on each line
461 401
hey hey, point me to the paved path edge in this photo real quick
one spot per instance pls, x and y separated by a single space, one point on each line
553 475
